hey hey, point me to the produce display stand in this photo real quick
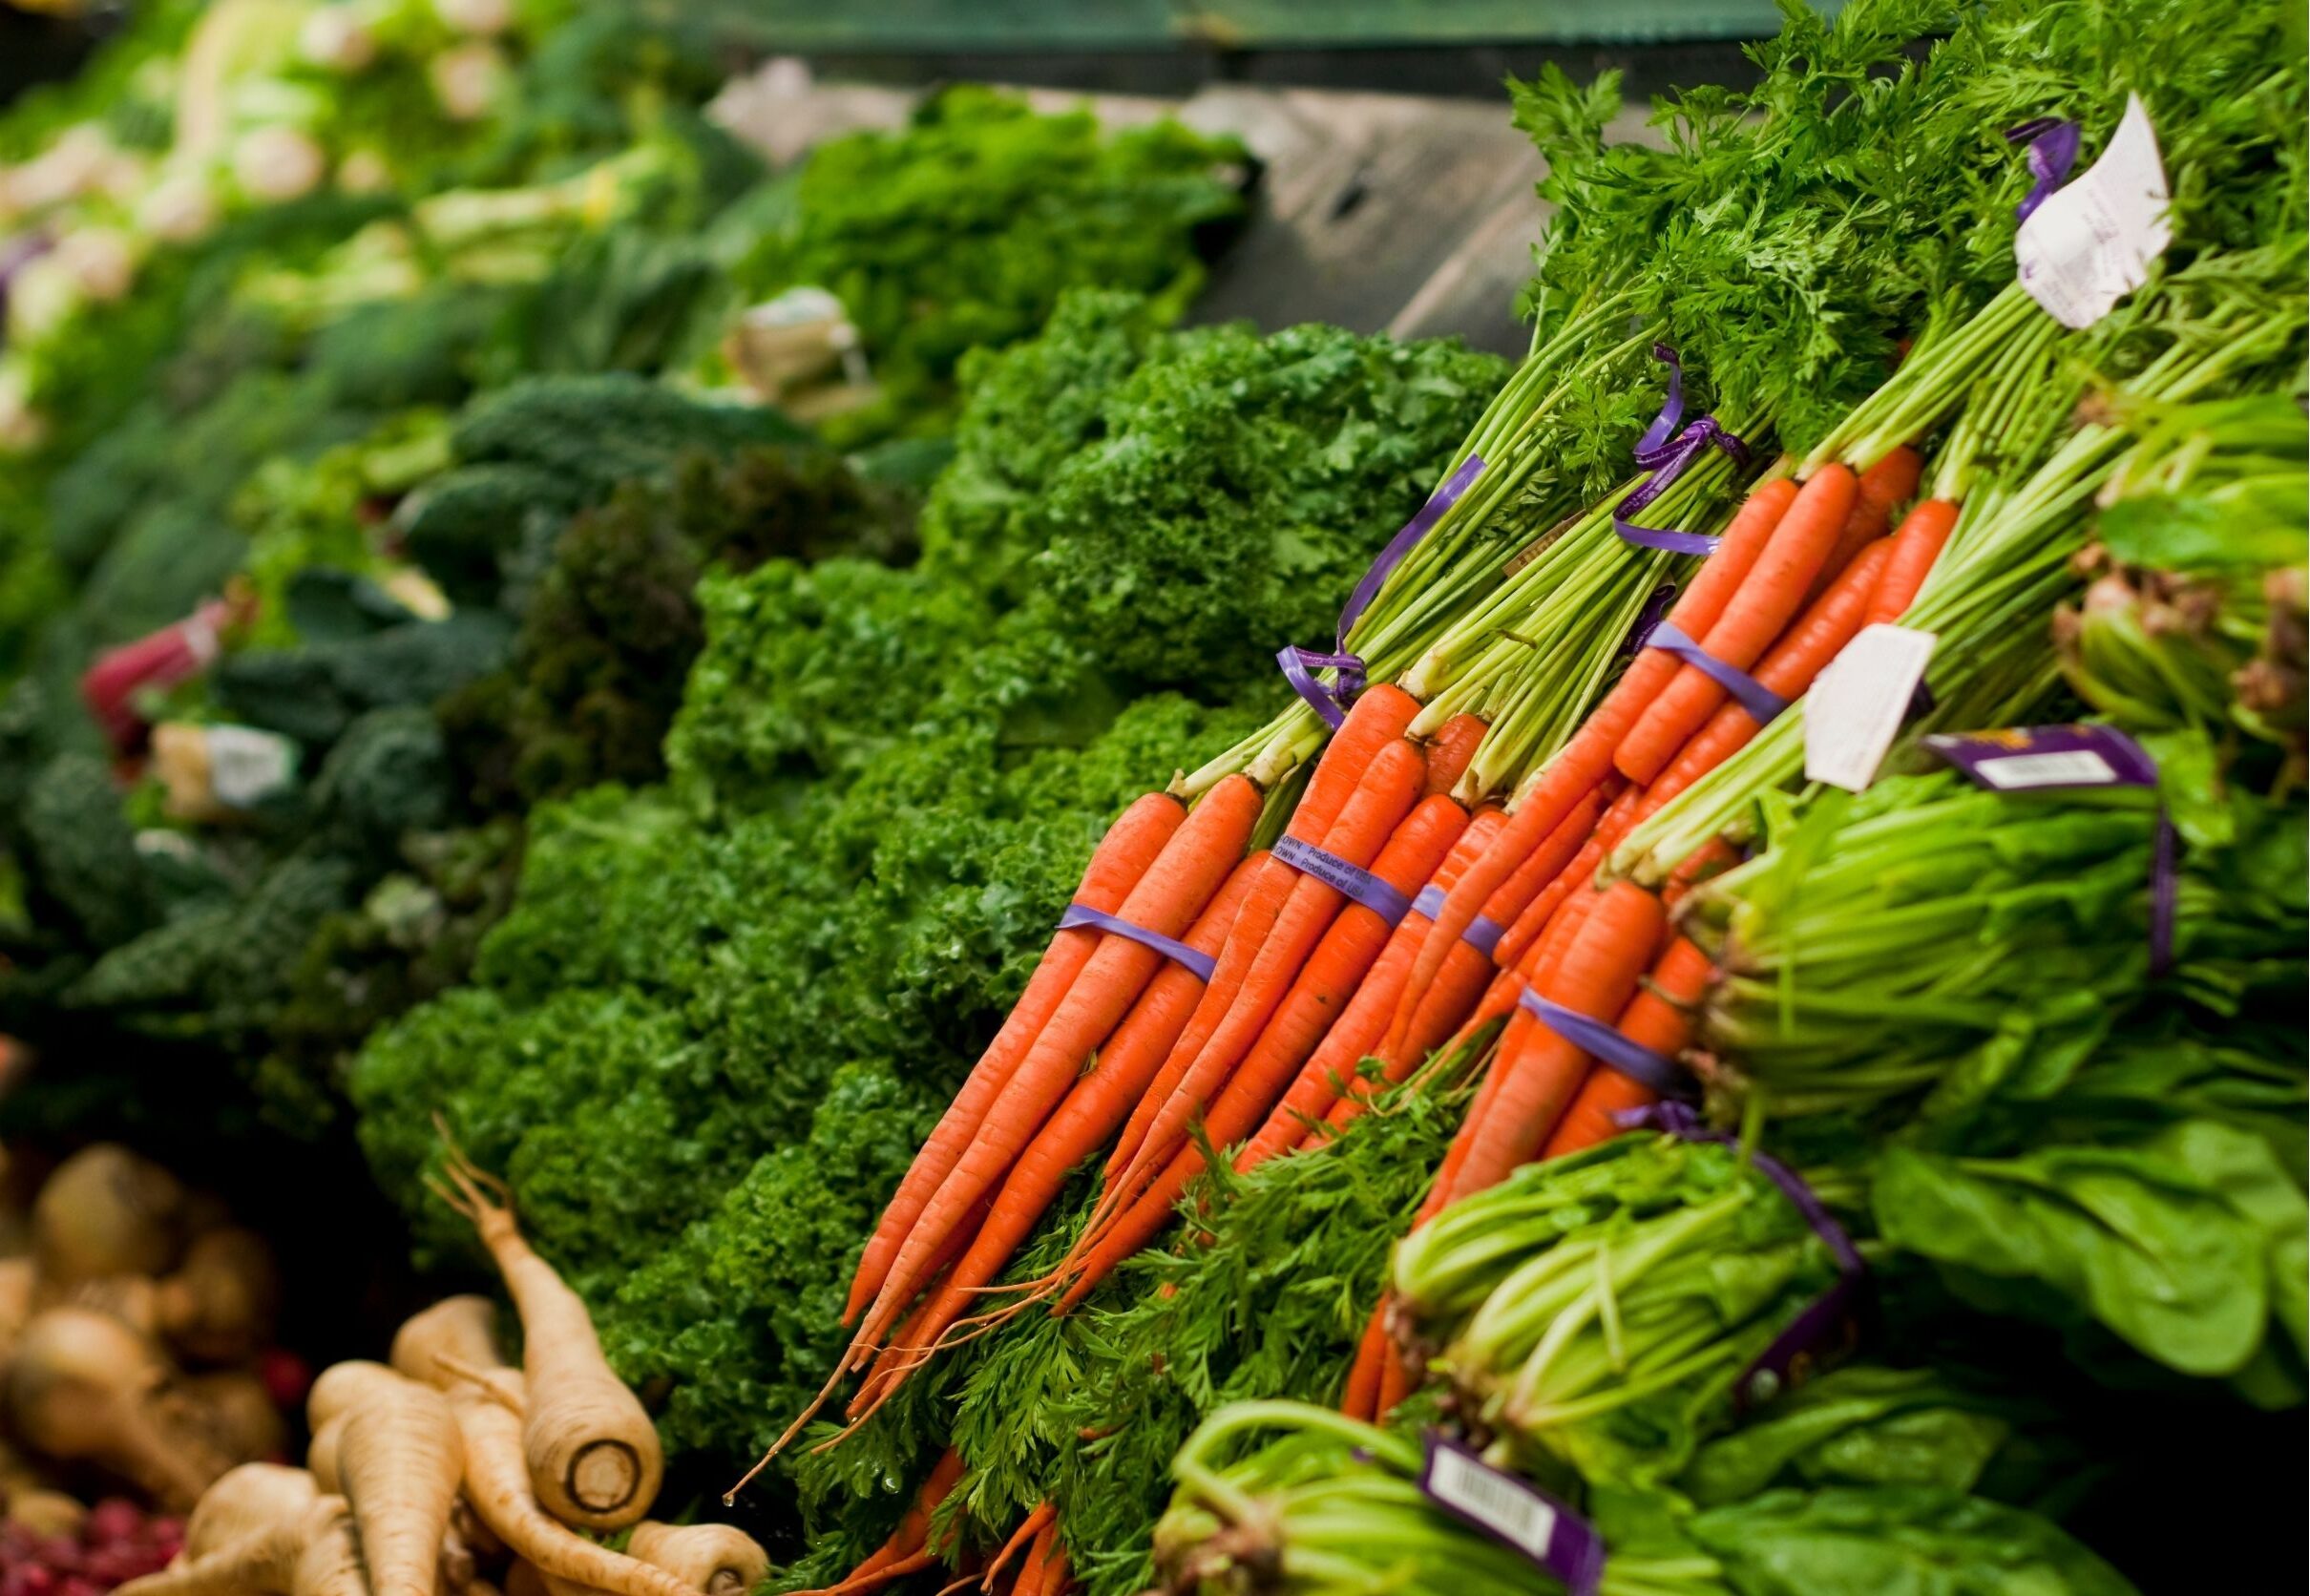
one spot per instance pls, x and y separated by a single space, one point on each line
1154 800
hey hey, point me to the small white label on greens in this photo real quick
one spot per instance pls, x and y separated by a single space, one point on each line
1857 705
1509 1510
245 764
2091 243
2075 767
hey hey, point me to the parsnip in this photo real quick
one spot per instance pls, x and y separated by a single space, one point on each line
591 1449
397 1457
717 1559
496 1483
314 1552
456 1341
244 1501
85 1386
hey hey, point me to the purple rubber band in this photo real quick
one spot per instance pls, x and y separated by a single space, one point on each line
1829 1316
1655 1072
2052 151
1668 460
1513 1512
1351 880
1200 965
1483 934
1758 699
1300 665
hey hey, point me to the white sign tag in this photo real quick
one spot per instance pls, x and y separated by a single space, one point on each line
1857 705
245 764
2090 243
1513 1514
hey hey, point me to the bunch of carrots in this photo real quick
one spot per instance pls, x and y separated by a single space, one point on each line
451 1473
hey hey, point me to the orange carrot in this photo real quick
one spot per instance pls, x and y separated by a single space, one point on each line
1359 1398
1467 970
1450 749
1923 532
1595 977
1395 1382
1881 490
1773 592
1368 818
1122 858
1330 1078
1660 1018
1029 1529
1035 1572
1802 654
1170 896
1317 995
1584 761
1095 1105
1377 721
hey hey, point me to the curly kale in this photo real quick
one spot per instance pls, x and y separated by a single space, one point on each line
960 230
80 851
1222 498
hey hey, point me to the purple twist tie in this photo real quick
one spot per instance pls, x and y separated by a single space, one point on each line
1351 880
1668 460
2052 151
1655 1072
1300 665
1758 699
1519 1515
2050 759
1200 965
1827 1317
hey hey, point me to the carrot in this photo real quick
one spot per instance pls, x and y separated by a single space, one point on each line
1375 724
1450 749
913 1531
1045 1571
1170 896
1585 759
1381 803
1328 1081
1359 1398
1773 592
1615 823
591 1451
862 1581
399 1459
1789 669
1880 491
1660 1018
1318 994
1395 1382
497 1486
1923 532
1030 1530
1119 1074
1467 970
1595 977
1121 859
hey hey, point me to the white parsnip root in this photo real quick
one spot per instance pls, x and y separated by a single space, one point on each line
591 1449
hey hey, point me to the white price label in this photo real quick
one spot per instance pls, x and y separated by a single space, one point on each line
245 764
1857 705
1511 1511
2073 768
2092 243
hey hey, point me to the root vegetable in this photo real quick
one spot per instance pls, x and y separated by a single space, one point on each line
236 1411
107 1211
454 1342
219 1305
130 1298
47 1513
497 1486
717 1559
17 1282
85 1386
398 1460
320 1456
244 1502
592 1454
313 1552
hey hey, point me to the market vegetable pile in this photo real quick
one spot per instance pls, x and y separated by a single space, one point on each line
1732 1023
